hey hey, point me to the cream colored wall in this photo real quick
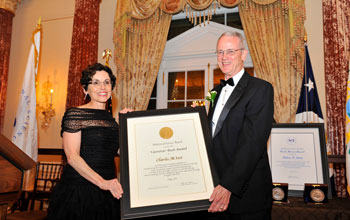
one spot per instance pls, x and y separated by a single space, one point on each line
57 16
57 23
314 29
105 41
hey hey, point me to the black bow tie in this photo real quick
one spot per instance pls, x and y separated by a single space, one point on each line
224 82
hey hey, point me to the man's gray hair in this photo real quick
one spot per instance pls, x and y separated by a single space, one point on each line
233 34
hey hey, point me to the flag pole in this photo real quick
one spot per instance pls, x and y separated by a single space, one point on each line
25 131
305 80
39 23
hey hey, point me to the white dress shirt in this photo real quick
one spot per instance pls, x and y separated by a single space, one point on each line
224 95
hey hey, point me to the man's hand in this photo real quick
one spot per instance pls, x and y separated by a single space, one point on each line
124 111
194 104
220 199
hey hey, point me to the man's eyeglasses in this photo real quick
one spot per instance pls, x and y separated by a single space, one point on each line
97 83
229 52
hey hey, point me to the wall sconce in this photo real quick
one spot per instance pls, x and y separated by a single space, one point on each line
46 109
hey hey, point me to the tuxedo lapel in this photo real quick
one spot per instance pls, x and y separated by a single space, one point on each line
232 100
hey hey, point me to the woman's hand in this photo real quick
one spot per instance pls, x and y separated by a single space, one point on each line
71 145
113 186
126 110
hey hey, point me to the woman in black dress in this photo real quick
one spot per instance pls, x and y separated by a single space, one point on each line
89 188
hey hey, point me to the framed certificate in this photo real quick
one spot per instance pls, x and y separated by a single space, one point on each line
298 155
165 164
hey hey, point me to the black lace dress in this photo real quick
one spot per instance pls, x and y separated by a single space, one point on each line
74 197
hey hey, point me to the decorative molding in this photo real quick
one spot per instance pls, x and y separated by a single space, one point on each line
9 5
192 45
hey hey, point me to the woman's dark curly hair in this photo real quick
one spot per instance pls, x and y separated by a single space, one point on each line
91 70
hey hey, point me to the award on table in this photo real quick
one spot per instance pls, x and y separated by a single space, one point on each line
298 155
165 162
279 192
316 193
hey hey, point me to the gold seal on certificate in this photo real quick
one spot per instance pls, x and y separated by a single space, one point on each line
317 195
166 132
277 193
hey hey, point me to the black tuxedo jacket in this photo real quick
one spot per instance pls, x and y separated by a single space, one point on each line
240 144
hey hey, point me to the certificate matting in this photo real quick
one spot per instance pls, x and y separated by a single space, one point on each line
165 167
297 155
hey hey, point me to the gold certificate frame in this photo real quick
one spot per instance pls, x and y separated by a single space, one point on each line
165 162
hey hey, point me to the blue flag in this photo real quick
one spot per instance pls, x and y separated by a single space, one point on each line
309 108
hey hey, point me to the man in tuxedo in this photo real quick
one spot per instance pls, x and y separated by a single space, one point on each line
240 121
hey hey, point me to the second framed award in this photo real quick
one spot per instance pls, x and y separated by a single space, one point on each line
298 155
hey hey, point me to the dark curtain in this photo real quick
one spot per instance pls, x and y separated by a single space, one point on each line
336 32
6 18
84 47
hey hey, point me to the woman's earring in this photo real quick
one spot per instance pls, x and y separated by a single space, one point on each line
85 96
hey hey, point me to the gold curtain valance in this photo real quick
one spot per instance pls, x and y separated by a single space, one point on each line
9 5
199 4
143 9
229 3
265 2
130 12
172 7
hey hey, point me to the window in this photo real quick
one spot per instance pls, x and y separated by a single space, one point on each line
184 87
